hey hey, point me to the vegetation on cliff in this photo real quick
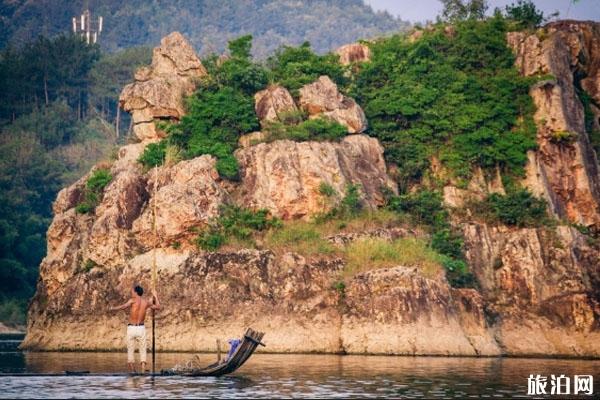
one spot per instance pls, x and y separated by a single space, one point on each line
450 94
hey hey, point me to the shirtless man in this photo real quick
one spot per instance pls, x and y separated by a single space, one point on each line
136 331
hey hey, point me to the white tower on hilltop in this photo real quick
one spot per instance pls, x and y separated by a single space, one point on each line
87 27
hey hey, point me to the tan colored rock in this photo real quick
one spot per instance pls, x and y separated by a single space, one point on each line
273 102
354 53
322 98
288 297
188 196
284 176
419 316
566 173
537 281
176 54
159 90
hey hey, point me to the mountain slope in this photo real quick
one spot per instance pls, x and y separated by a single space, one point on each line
207 23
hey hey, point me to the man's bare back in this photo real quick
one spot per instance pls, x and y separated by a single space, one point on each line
137 314
136 332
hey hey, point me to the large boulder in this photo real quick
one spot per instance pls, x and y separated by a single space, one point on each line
322 99
284 176
353 53
272 103
158 91
186 195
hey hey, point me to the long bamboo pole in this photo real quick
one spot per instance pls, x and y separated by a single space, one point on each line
154 269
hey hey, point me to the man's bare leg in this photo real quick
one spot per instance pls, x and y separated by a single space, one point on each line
131 367
143 365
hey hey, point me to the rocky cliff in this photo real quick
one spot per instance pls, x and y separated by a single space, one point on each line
538 289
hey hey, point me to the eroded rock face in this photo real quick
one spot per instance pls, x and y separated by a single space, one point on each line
273 102
188 196
540 286
284 176
158 91
566 172
353 53
322 98
293 300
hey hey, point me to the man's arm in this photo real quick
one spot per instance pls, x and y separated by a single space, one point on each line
156 305
122 306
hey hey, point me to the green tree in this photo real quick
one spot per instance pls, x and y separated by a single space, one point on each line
525 14
460 10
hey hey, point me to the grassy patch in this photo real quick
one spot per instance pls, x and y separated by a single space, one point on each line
372 253
305 238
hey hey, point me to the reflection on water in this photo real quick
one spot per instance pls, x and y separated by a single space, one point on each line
268 375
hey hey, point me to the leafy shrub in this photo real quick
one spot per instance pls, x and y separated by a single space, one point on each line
518 208
235 222
457 272
318 129
88 265
214 121
210 240
524 14
349 206
154 154
93 190
423 207
294 67
448 243
326 189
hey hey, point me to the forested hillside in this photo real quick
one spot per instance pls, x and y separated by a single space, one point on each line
208 24
57 117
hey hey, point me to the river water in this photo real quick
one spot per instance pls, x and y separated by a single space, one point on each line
277 375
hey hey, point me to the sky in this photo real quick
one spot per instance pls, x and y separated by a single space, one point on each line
423 10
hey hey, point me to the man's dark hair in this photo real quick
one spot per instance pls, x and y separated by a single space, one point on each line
139 290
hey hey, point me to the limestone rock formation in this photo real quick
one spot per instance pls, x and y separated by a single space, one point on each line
392 311
273 102
285 176
322 98
538 290
565 172
188 196
353 53
540 285
158 91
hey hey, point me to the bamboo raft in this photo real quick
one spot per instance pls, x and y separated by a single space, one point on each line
250 341
242 353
